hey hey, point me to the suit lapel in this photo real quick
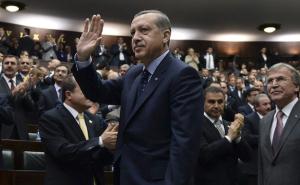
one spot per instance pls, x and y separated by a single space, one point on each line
89 126
290 124
212 129
156 78
131 100
72 122
265 133
5 85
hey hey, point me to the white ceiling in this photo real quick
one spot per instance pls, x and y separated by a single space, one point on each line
219 20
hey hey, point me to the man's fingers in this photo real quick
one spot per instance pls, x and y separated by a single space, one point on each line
116 127
92 23
86 25
100 27
109 128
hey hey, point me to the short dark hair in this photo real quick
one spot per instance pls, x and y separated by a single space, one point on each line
212 89
258 97
10 56
66 66
248 92
27 31
68 84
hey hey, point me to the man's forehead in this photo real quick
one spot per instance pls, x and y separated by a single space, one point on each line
279 72
144 18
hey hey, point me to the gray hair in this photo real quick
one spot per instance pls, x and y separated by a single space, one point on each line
295 73
258 98
162 21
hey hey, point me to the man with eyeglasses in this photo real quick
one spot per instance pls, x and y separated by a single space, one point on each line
8 80
279 144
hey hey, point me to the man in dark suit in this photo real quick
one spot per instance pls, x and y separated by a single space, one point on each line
8 80
249 97
159 127
220 143
279 144
119 53
52 96
75 154
26 43
210 60
263 59
262 105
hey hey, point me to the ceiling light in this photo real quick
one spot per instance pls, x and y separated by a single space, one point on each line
12 6
269 27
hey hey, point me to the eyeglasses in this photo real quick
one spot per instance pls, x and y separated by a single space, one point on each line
23 63
278 80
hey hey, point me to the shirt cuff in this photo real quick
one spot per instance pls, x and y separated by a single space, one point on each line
82 64
237 140
101 142
228 138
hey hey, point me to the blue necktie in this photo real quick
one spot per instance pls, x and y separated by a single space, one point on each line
144 81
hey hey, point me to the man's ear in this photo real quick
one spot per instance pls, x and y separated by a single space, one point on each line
68 95
166 35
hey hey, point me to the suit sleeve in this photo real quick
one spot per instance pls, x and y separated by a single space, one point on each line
186 118
251 138
95 89
83 153
214 150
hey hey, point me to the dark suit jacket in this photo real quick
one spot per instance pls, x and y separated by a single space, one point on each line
70 159
245 109
19 111
115 61
26 43
283 167
251 134
49 98
158 133
260 62
4 88
218 158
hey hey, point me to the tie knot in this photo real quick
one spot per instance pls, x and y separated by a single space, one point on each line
146 74
217 122
280 114
80 116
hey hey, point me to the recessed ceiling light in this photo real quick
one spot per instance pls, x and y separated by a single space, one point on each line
12 6
269 27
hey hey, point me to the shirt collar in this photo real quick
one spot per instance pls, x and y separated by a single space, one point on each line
288 108
57 87
251 106
71 110
7 79
259 115
154 64
212 119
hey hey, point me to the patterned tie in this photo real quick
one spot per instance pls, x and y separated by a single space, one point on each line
144 81
82 125
278 130
12 84
219 127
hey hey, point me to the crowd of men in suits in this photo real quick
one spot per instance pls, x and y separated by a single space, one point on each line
242 129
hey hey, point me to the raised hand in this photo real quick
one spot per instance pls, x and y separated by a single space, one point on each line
90 37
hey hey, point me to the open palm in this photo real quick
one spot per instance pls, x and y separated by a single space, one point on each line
90 37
